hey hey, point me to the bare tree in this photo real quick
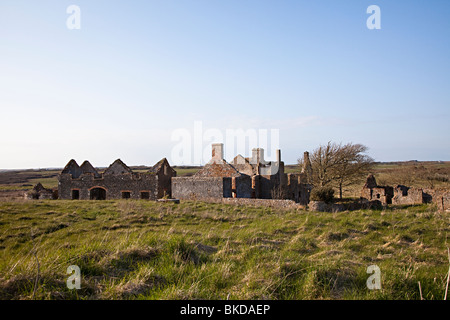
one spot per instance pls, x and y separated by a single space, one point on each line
339 165
352 165
323 163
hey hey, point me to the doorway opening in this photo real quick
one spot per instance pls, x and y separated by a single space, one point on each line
98 194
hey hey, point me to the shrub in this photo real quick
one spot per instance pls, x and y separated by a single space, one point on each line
325 194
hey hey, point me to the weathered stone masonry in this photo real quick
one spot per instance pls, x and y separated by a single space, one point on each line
39 192
118 181
403 195
242 178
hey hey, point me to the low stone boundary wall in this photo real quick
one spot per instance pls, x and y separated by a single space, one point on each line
321 206
273 203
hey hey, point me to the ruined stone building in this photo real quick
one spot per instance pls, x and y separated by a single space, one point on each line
242 178
389 195
307 171
118 181
408 195
41 193
441 197
371 191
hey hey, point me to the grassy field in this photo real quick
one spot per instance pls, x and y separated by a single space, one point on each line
193 250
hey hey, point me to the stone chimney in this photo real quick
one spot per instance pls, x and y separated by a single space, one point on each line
217 151
306 162
278 156
257 155
371 182
307 168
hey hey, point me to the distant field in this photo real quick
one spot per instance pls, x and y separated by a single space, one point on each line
141 249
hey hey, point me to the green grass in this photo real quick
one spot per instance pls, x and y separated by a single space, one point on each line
186 171
14 187
46 182
195 250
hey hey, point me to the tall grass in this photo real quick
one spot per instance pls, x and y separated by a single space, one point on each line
130 249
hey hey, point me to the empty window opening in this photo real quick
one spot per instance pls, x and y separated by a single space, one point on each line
75 194
145 195
126 194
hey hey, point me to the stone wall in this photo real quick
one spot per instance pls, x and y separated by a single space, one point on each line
114 185
295 189
267 185
118 181
273 203
443 201
243 186
39 192
441 197
380 193
321 206
201 188
406 195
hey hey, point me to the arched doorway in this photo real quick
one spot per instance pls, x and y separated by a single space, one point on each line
98 193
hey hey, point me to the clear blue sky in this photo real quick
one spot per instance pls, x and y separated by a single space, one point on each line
138 70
